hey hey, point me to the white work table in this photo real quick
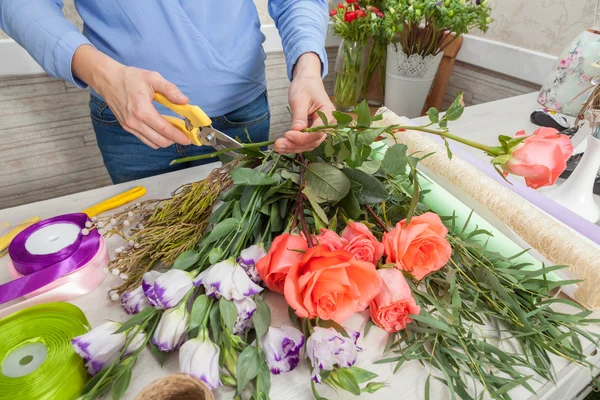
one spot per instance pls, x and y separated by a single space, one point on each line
483 123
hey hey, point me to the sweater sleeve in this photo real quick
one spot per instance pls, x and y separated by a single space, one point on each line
302 25
42 29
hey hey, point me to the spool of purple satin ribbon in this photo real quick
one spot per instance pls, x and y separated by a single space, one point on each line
43 268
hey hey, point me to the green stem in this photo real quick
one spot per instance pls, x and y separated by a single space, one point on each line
223 151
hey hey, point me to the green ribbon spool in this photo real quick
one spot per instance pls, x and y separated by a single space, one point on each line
37 361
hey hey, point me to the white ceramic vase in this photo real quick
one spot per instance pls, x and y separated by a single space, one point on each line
408 81
577 192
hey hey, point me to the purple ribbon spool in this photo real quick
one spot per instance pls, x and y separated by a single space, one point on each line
39 270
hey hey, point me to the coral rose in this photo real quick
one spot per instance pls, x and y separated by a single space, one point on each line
391 308
330 285
361 242
421 247
285 252
540 158
329 239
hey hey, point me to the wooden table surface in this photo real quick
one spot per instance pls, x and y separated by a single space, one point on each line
482 122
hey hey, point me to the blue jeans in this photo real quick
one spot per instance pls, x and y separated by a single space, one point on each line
126 158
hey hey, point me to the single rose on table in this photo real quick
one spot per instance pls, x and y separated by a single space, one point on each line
392 307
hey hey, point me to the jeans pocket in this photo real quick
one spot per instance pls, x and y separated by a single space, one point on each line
249 115
101 114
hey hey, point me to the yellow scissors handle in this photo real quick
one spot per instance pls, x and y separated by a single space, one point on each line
180 124
115 202
194 114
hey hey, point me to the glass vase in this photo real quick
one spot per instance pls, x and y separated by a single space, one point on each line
373 90
349 73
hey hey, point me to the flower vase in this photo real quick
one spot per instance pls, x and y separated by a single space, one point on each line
349 72
408 80
374 83
577 192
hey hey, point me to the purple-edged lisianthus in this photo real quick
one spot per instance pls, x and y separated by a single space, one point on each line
227 279
101 346
166 290
282 348
245 309
135 301
171 329
199 357
327 348
249 258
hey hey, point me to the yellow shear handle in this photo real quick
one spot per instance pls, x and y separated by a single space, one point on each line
180 124
115 202
197 117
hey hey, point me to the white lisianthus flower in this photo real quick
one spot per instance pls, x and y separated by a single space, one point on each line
166 290
100 347
135 301
171 329
327 348
199 357
245 309
249 258
282 348
227 279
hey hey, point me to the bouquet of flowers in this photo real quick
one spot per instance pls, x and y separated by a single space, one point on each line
425 27
337 231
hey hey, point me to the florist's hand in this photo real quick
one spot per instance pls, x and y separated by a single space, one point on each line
129 92
307 95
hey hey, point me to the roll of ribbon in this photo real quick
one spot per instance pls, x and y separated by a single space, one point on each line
53 261
36 357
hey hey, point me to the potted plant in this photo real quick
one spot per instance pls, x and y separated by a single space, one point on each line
352 23
422 30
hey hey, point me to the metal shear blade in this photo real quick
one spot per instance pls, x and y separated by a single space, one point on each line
210 136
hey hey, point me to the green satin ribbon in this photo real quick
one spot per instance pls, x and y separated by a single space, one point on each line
37 361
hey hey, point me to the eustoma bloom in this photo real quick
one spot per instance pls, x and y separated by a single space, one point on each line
171 329
391 308
282 348
540 158
199 357
330 284
419 248
101 346
327 348
245 308
286 251
227 279
249 258
166 290
135 301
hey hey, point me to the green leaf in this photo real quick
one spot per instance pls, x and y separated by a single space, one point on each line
370 166
448 151
202 305
251 177
137 319
368 136
434 115
121 384
501 159
314 391
263 381
277 223
327 181
215 255
186 259
361 375
372 190
351 206
364 114
261 317
395 160
228 312
443 123
159 356
347 381
215 323
342 119
247 367
427 389
368 327
456 109
294 177
314 203
222 229
323 118
329 323
434 323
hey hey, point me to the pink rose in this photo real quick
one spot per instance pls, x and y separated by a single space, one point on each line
361 242
540 158
391 308
329 239
419 248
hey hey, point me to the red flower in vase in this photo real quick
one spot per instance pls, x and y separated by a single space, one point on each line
332 13
361 14
350 16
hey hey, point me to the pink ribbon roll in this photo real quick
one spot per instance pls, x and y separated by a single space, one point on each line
53 261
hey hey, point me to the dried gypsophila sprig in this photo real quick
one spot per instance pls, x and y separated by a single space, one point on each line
158 231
